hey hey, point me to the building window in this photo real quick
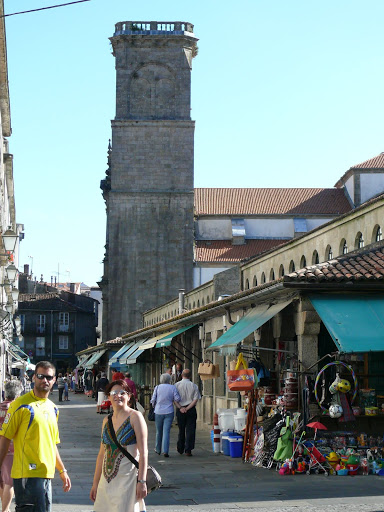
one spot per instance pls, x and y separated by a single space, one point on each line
379 234
272 275
359 243
254 281
281 271
315 258
40 347
303 262
246 284
292 266
345 247
262 278
63 342
328 253
40 324
63 322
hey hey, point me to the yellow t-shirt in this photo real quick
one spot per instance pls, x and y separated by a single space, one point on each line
32 424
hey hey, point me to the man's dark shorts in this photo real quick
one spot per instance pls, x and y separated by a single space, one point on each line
33 494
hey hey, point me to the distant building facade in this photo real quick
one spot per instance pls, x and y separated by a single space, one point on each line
56 326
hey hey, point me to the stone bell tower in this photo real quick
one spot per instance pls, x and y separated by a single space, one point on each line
149 184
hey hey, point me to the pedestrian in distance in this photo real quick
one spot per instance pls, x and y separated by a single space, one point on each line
66 389
163 398
101 386
32 423
131 384
117 485
186 413
60 386
117 375
12 390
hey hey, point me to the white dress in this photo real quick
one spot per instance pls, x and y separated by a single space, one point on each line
116 491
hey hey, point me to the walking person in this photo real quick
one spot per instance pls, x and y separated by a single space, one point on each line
186 414
12 390
163 398
131 384
66 389
101 386
117 485
32 424
60 386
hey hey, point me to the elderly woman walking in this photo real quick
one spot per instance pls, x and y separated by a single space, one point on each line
12 390
164 395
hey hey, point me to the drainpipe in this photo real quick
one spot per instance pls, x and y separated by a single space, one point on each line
181 300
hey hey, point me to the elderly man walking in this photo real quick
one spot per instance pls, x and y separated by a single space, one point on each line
186 413
32 424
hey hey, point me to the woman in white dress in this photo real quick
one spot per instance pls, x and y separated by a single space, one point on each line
117 485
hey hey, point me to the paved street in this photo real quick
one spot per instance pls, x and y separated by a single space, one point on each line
204 482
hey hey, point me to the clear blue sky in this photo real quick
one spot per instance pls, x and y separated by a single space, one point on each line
284 94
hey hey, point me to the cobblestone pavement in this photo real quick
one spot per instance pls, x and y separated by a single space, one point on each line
205 482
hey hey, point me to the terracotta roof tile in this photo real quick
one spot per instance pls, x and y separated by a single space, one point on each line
365 265
270 201
373 163
223 250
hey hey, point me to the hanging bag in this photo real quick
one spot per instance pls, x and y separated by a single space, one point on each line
153 477
206 368
242 379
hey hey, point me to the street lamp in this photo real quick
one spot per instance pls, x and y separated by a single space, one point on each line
15 294
9 240
11 272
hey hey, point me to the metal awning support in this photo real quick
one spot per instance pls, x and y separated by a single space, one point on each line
174 354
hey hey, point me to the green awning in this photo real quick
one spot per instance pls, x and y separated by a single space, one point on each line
167 339
115 358
254 319
355 321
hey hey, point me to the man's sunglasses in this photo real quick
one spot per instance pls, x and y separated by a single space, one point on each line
41 376
120 393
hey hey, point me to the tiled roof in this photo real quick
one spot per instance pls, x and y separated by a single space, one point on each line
363 265
373 163
223 250
46 302
270 201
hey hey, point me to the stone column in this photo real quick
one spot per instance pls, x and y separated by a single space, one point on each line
307 327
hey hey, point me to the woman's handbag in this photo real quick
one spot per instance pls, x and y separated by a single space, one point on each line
151 413
153 477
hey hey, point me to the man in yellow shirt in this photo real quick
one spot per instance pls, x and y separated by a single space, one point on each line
32 424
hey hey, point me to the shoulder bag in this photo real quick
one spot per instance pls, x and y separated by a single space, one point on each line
153 477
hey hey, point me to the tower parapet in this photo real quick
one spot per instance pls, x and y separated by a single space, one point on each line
153 28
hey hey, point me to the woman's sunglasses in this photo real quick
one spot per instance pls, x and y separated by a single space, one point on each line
41 376
120 393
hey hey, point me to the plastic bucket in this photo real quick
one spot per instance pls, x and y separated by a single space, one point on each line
236 446
240 422
226 420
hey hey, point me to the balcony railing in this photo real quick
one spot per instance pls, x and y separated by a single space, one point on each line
152 27
64 327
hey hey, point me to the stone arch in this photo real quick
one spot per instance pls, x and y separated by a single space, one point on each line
247 284
202 302
271 275
328 253
359 240
281 271
315 257
377 234
291 267
207 299
262 279
254 282
198 303
343 249
303 262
